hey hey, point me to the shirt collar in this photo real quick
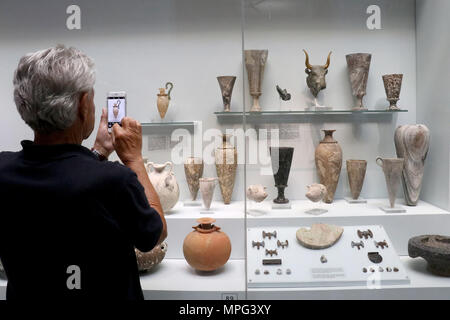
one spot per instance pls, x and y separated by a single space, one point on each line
32 150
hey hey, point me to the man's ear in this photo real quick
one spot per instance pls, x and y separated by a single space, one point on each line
83 107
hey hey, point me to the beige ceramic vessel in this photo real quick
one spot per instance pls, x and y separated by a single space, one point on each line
329 163
193 169
356 171
226 166
165 183
392 168
206 248
207 186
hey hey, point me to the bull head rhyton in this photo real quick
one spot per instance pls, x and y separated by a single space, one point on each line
316 75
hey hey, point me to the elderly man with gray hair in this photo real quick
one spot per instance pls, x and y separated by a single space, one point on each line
73 218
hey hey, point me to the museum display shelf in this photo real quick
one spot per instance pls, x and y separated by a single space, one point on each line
297 115
168 126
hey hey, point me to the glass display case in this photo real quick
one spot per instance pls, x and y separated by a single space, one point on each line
297 145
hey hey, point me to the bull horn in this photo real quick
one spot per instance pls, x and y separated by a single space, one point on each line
328 61
307 60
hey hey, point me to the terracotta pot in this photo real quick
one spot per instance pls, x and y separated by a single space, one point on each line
226 166
393 86
358 70
412 143
207 186
193 169
255 62
356 171
163 100
392 168
226 84
329 163
165 183
148 260
206 248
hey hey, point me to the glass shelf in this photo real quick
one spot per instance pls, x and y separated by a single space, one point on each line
303 112
167 127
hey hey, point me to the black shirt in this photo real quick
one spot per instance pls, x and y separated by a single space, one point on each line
61 207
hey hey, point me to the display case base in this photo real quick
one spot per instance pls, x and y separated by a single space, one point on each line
393 210
282 206
192 203
353 201
316 211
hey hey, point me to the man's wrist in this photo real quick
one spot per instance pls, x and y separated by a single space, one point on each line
101 150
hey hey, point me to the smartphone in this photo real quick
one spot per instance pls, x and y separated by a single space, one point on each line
117 107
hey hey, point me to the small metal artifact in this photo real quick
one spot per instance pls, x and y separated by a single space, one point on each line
271 252
383 244
288 271
372 270
364 270
269 234
357 244
284 95
282 244
388 269
257 244
279 272
365 234
257 271
266 271
375 257
395 269
323 259
380 269
268 262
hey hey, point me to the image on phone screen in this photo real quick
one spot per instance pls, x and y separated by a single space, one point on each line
116 110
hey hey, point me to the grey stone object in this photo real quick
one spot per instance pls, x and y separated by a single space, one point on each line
281 165
226 84
284 95
358 70
255 62
316 75
435 250
393 86
392 168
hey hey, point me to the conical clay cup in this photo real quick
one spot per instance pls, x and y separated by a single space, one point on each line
207 186
356 171
392 168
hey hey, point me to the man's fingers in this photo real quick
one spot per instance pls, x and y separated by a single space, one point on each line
104 118
116 131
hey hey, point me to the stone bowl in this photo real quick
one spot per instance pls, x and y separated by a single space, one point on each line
435 250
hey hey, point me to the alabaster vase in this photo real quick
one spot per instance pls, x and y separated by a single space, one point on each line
193 169
206 248
281 165
165 183
328 159
255 62
392 168
226 166
412 143
148 260
392 86
207 186
226 84
356 171
358 70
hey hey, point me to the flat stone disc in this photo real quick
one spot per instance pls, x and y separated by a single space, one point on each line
319 236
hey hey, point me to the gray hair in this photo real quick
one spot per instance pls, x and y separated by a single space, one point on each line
48 85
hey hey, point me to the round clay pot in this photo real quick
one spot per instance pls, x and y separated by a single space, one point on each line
206 248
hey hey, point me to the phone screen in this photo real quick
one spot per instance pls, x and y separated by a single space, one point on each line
116 110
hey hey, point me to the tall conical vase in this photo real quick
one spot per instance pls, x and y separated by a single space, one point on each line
412 143
356 170
255 62
281 166
392 168
329 163
393 86
193 169
226 166
226 84
358 71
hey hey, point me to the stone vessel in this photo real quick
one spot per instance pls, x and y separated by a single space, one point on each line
193 169
281 165
316 192
412 143
329 163
319 236
226 84
356 171
226 166
256 192
147 260
163 100
255 62
165 183
358 70
392 168
435 250
207 186
392 86
206 248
